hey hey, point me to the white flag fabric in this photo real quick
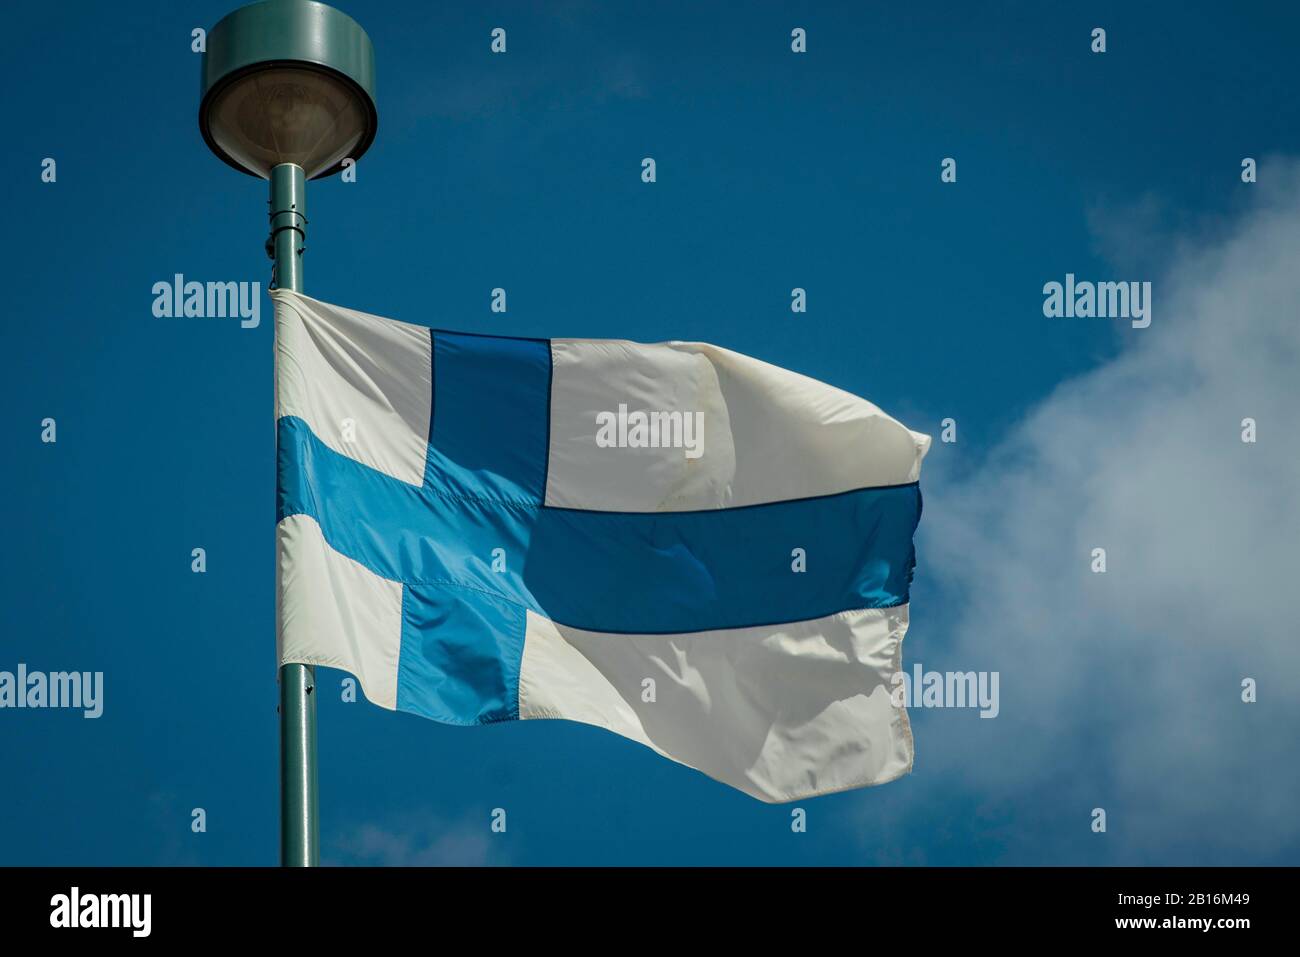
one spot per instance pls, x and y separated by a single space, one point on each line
686 546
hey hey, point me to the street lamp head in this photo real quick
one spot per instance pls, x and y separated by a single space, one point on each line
288 81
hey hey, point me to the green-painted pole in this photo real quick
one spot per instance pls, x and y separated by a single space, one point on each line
299 803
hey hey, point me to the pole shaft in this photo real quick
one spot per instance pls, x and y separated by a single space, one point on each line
299 801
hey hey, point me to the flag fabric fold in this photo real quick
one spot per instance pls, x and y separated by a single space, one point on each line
689 547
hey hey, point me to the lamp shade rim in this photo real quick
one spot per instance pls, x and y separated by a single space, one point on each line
234 76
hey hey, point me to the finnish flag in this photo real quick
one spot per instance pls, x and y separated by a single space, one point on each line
688 547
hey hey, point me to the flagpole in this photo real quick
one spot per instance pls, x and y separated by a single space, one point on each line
299 781
287 94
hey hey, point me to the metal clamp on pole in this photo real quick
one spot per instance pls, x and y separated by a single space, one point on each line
288 239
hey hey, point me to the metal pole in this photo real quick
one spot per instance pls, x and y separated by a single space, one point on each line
288 225
299 802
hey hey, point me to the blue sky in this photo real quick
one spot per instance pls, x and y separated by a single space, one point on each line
775 170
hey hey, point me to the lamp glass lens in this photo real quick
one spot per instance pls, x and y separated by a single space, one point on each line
287 115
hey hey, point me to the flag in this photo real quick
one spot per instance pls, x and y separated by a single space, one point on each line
686 546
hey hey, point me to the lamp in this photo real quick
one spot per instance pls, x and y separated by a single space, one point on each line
288 81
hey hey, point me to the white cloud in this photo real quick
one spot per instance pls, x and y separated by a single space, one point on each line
1122 690
418 841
